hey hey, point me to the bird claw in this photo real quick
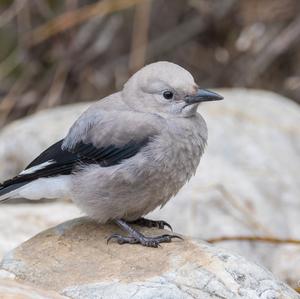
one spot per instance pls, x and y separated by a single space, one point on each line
121 239
143 240
162 224
170 237
152 223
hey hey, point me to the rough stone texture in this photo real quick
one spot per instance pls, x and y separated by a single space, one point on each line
14 290
248 181
74 260
19 222
287 265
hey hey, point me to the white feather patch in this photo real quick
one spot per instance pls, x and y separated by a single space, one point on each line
37 167
52 188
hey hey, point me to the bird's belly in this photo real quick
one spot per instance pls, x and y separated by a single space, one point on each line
129 192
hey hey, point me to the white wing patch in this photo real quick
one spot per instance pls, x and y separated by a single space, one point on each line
37 167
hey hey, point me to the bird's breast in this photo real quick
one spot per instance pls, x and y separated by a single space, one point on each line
177 154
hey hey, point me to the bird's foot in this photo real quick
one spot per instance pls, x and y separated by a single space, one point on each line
143 240
135 237
151 223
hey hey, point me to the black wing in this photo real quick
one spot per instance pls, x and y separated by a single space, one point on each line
58 161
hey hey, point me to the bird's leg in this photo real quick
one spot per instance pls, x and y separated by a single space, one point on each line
135 237
151 223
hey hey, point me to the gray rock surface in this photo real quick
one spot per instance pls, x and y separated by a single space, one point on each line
19 222
248 181
13 290
74 260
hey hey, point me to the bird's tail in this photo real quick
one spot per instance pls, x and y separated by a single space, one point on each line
8 189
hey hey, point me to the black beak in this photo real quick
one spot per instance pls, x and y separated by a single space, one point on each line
202 95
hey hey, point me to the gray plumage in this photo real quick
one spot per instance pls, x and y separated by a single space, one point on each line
161 141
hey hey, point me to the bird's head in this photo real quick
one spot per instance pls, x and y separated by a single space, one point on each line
165 88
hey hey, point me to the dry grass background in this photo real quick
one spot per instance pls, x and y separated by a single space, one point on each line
55 52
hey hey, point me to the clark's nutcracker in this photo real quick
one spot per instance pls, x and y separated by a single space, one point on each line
127 154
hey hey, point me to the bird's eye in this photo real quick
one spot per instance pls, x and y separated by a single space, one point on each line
168 95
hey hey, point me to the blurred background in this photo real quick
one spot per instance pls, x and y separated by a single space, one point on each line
54 52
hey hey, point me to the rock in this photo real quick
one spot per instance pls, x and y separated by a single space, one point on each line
287 265
74 260
42 129
19 222
247 184
14 290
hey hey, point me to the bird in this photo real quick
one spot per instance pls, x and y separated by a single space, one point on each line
127 154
